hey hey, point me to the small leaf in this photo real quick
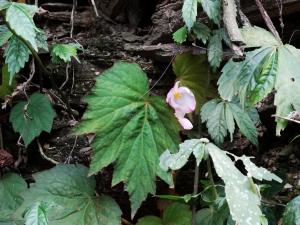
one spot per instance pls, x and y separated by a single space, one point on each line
193 72
20 18
244 122
142 127
257 37
212 215
32 117
180 35
5 88
213 9
16 55
258 173
291 215
175 214
68 197
11 187
178 160
64 52
189 12
201 31
5 34
215 49
213 112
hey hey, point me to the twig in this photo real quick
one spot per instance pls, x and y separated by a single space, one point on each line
267 20
286 118
72 17
195 192
71 152
95 8
67 76
43 154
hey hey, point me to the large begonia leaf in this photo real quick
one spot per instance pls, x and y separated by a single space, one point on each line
132 129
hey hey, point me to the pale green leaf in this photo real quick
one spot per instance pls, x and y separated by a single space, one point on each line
242 201
181 35
252 79
5 88
193 72
11 187
4 4
258 173
69 197
189 12
213 9
32 117
291 215
257 37
19 17
5 34
36 214
201 31
141 127
16 55
175 214
287 84
244 122
178 160
215 49
64 53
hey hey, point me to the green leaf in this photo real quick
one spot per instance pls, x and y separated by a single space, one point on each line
178 160
20 18
175 214
180 35
37 214
5 34
220 117
142 127
5 88
252 79
41 40
68 197
242 194
194 73
213 9
291 215
213 112
32 117
215 49
201 31
11 186
287 84
244 122
257 37
212 215
16 55
189 12
64 52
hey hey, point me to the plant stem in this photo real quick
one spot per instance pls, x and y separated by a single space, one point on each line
211 178
267 20
195 192
126 222
43 68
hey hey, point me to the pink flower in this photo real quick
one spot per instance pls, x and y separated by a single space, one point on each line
183 101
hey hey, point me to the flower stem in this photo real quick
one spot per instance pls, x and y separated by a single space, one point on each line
195 192
211 178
